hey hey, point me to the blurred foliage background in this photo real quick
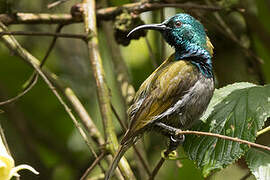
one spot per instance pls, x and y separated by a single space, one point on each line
40 133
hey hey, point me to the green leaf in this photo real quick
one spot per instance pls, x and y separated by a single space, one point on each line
259 163
221 93
238 110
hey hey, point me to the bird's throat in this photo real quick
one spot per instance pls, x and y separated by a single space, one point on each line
198 56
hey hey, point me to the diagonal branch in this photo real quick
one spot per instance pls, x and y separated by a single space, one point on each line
57 34
157 168
93 165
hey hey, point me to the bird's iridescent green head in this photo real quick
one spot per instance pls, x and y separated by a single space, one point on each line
187 35
184 30
180 31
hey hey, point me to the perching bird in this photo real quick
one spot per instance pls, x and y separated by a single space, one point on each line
177 93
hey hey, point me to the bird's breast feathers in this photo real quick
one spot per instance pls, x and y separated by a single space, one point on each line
166 90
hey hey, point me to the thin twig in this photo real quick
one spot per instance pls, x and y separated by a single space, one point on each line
21 94
56 3
145 165
241 141
157 168
35 74
58 30
27 33
89 16
93 165
122 124
151 54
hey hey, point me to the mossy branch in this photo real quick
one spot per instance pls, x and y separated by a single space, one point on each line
89 16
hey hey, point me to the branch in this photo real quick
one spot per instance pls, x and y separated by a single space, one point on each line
37 18
102 88
63 35
93 165
241 141
21 94
102 14
157 168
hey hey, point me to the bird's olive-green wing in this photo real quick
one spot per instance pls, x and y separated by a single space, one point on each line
159 92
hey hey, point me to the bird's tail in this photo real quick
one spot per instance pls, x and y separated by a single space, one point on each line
120 152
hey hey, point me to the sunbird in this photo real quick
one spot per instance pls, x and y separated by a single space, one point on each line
177 93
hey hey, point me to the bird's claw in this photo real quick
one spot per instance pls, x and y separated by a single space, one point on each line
177 139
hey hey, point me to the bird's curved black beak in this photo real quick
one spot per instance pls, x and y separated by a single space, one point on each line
159 27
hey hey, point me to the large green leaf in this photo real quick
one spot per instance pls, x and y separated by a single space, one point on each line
238 110
222 93
259 163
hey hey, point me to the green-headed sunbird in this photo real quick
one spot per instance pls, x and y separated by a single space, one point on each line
177 93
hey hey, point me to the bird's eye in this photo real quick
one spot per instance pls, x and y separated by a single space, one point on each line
177 24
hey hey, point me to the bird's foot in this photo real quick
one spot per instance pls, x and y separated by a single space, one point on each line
175 139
